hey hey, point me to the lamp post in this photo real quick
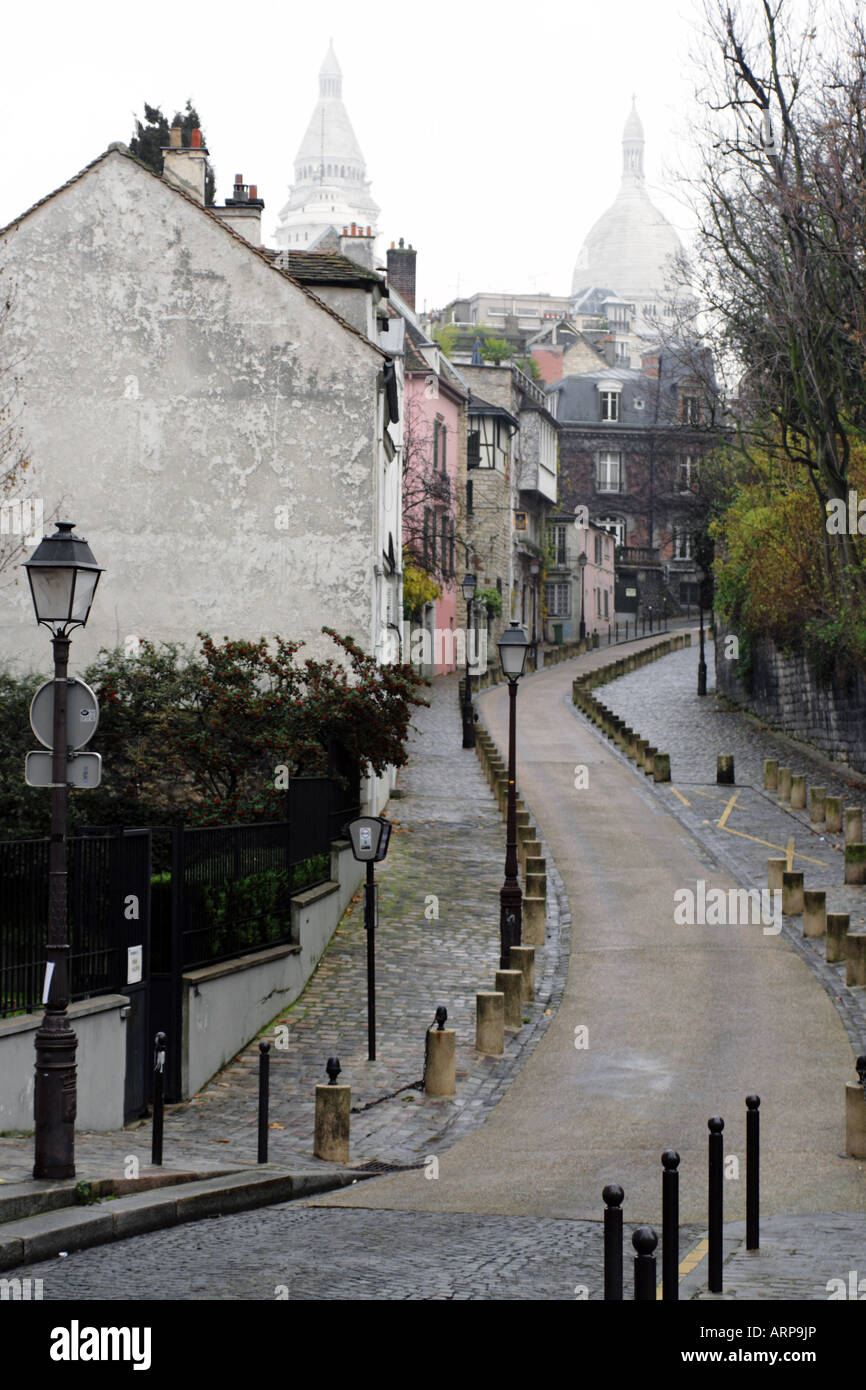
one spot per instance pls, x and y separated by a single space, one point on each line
581 560
534 570
702 663
513 647
63 577
369 836
467 588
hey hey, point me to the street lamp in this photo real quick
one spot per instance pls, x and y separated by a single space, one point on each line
513 647
581 560
467 588
369 836
63 576
702 663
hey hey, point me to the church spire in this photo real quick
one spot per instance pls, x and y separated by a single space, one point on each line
633 146
330 74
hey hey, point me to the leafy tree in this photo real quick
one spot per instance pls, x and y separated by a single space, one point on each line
152 136
418 589
203 740
495 350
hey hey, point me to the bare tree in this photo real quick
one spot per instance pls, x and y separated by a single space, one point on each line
781 256
426 495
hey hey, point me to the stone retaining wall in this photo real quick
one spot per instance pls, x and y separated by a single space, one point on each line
786 693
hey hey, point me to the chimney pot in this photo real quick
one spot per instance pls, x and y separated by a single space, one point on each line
254 190
195 139
239 178
174 137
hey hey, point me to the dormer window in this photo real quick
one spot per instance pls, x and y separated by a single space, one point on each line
691 410
609 405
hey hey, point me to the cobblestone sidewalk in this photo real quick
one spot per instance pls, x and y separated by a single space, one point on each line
446 857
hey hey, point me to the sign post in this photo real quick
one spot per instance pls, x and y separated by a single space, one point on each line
369 836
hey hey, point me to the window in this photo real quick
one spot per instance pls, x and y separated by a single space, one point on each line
691 410
598 548
606 609
436 428
608 477
557 541
682 543
558 599
609 405
443 453
445 545
686 473
615 525
451 551
473 449
433 539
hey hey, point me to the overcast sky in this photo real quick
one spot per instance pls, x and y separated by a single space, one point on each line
491 131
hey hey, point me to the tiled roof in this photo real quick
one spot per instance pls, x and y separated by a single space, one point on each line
329 268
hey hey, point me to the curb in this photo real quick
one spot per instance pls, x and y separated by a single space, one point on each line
44 1236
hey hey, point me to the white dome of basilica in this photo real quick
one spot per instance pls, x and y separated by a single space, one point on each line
631 246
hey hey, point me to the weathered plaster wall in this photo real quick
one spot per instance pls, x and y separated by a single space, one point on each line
176 392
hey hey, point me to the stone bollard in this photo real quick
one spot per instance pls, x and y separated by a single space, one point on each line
855 862
527 849
771 775
784 784
332 1119
509 983
814 912
725 769
522 958
662 767
490 1023
837 932
818 805
534 930
775 869
855 1116
440 1062
792 894
853 824
855 957
641 745
649 761
536 866
535 885
798 792
833 813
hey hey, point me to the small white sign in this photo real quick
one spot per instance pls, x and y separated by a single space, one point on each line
46 988
133 965
365 837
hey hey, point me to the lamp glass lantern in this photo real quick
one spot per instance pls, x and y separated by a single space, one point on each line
513 646
63 576
468 586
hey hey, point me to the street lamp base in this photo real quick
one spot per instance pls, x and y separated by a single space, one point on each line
54 1099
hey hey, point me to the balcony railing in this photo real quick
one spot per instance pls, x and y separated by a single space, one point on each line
637 555
440 487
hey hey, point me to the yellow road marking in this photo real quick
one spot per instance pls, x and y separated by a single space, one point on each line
789 852
727 811
680 796
691 1261
729 829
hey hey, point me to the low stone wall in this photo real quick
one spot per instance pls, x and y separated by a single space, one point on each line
225 1005
100 1027
787 695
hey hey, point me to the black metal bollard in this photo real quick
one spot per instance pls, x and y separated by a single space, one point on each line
613 1195
715 1202
158 1099
753 1169
644 1240
264 1084
670 1224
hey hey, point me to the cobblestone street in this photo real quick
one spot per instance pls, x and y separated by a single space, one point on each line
449 842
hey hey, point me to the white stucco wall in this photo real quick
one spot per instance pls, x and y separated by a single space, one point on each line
175 390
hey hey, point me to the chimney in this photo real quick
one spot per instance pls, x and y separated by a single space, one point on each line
401 271
650 364
357 245
185 169
243 211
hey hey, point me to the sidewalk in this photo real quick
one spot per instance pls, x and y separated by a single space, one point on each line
437 943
